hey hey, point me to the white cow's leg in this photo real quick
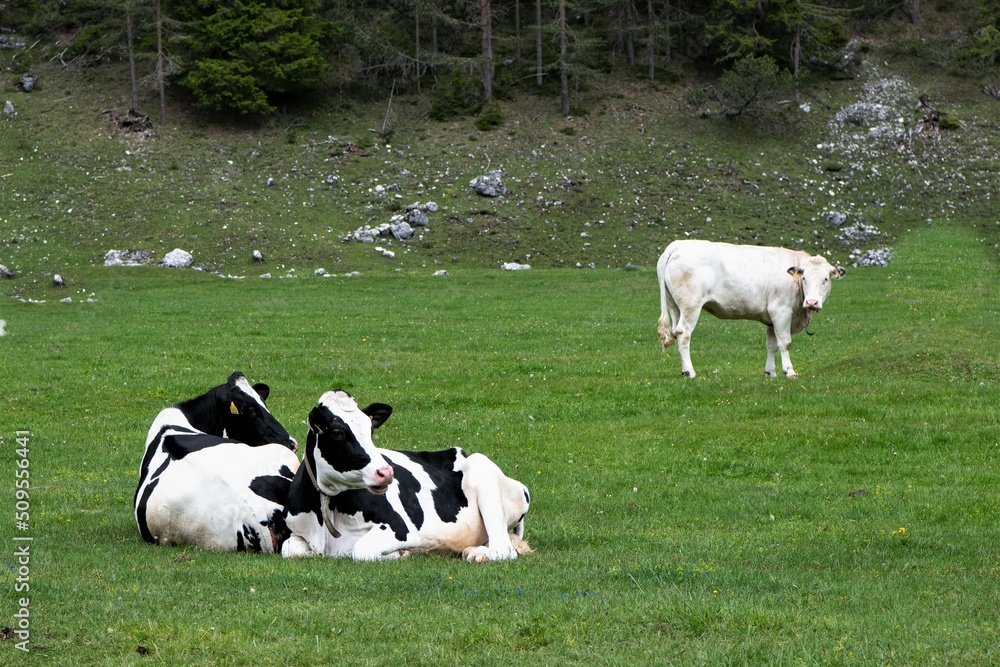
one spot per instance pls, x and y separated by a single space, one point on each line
685 327
669 315
772 348
784 338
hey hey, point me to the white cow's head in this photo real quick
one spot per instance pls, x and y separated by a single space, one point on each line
340 442
813 276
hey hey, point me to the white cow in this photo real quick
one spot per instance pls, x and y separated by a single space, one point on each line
777 287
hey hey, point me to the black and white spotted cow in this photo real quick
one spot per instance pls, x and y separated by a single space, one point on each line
351 499
216 472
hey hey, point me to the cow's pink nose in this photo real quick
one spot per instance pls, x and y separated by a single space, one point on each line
384 475
812 304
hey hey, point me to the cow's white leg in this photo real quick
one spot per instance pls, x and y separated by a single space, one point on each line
783 337
772 348
296 547
500 501
379 543
669 315
682 332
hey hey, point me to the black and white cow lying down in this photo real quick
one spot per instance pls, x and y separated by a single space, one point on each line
351 499
216 471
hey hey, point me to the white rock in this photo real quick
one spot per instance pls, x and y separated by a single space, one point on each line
514 266
178 259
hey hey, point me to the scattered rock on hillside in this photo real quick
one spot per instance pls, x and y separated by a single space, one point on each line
859 231
514 266
6 273
27 82
490 185
128 257
367 233
416 214
399 227
58 281
178 259
836 218
417 218
12 42
257 256
865 114
401 230
876 257
8 109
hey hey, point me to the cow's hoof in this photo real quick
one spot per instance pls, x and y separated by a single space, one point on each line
476 554
770 374
688 374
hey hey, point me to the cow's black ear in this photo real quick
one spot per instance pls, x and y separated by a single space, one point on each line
379 413
316 419
262 390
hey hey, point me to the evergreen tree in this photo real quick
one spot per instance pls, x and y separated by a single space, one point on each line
242 55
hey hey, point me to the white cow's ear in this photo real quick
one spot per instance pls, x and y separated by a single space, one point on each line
839 272
795 272
378 412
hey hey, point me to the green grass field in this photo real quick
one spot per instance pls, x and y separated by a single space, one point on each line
846 517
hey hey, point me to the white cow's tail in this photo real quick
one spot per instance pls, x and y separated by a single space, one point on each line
665 328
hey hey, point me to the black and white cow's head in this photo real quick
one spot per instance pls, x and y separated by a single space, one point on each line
236 410
340 447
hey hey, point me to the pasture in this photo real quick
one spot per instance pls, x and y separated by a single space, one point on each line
846 517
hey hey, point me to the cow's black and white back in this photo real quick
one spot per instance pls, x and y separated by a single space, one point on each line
443 502
215 472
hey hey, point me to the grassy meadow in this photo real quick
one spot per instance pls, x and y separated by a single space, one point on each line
846 517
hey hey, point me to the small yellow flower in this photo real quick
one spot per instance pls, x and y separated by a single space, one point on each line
899 531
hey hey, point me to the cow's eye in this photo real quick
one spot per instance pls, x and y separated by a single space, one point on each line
249 411
338 434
